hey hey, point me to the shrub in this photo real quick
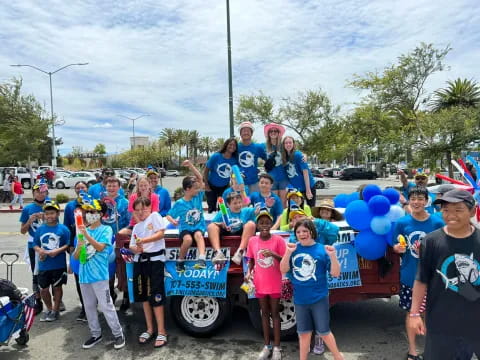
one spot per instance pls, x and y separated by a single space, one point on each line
62 198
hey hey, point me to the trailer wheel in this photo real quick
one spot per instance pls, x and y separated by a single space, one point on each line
288 322
199 316
23 338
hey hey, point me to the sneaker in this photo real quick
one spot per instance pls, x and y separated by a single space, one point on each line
200 264
82 316
277 353
265 353
219 258
237 258
45 316
119 342
92 342
180 266
62 306
52 316
319 347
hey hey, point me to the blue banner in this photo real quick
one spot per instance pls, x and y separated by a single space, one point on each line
350 273
211 281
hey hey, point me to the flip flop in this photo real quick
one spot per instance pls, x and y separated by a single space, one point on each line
145 337
160 337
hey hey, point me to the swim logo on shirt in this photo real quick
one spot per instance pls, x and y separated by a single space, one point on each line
50 241
224 170
192 216
291 170
304 267
413 242
246 159
264 261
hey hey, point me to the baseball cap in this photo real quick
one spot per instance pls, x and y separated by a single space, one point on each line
51 205
264 212
442 189
456 196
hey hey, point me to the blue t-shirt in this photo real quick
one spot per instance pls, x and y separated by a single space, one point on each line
69 218
430 208
96 267
248 160
190 213
164 198
51 238
278 172
308 273
237 220
294 169
98 191
117 212
413 231
230 190
326 232
28 210
258 201
220 169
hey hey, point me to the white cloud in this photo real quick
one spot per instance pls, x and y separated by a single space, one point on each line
103 126
169 59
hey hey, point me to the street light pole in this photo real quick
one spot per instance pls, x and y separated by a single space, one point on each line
133 125
230 87
50 73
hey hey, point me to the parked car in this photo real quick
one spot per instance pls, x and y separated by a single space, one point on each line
357 173
332 172
172 173
24 176
162 172
69 181
317 172
321 183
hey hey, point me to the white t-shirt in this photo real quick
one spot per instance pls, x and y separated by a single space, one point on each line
152 224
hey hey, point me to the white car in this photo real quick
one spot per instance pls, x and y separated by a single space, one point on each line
69 181
321 183
173 173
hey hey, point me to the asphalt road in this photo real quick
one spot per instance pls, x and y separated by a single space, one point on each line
371 329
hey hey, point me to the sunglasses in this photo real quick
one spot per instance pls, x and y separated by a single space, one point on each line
420 178
274 131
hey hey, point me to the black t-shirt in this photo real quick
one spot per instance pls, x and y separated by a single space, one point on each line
451 269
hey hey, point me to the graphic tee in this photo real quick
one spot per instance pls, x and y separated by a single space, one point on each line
267 277
189 213
152 224
96 267
278 172
451 269
51 238
248 160
220 169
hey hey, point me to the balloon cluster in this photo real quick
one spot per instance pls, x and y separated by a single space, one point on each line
374 217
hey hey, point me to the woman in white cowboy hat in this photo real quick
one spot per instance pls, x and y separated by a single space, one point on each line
273 165
328 212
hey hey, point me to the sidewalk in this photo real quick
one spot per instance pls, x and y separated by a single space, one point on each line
5 209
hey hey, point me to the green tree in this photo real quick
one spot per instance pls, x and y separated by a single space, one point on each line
206 145
169 137
461 92
193 143
100 149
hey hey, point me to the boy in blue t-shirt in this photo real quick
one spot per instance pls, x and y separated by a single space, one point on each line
187 214
31 219
51 242
242 223
413 227
266 198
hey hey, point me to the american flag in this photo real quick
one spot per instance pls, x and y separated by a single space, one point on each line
29 304
127 255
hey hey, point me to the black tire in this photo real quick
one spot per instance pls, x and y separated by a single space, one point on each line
26 184
199 316
288 322
60 185
319 185
23 338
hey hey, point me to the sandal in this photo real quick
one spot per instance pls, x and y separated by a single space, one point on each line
145 337
160 337
414 357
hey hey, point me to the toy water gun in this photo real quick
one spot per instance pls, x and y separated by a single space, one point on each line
402 241
239 179
223 210
79 222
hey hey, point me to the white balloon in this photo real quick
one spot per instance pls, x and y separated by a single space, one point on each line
395 213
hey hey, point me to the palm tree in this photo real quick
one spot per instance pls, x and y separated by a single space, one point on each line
461 92
194 141
218 143
206 145
168 135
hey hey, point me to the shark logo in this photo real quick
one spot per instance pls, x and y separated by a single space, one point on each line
291 171
192 217
264 261
224 170
413 242
246 159
35 225
90 250
467 275
50 241
235 223
304 267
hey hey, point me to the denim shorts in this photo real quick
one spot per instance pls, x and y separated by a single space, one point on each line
312 317
280 185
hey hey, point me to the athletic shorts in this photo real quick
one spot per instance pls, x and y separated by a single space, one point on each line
224 232
405 302
148 282
272 296
313 317
188 232
55 278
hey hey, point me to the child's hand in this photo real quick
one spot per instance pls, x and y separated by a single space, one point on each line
267 253
247 277
82 230
309 194
291 247
270 201
399 249
174 222
330 250
138 241
186 163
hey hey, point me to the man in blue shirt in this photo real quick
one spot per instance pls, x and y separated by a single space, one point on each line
99 190
51 242
163 195
421 180
248 154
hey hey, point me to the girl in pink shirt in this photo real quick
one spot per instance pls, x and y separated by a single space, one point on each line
143 189
264 253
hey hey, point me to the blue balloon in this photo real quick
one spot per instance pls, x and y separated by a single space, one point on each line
353 196
379 205
358 215
381 225
370 191
370 246
340 200
395 213
392 195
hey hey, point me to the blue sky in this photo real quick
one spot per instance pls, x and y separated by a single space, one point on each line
169 58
